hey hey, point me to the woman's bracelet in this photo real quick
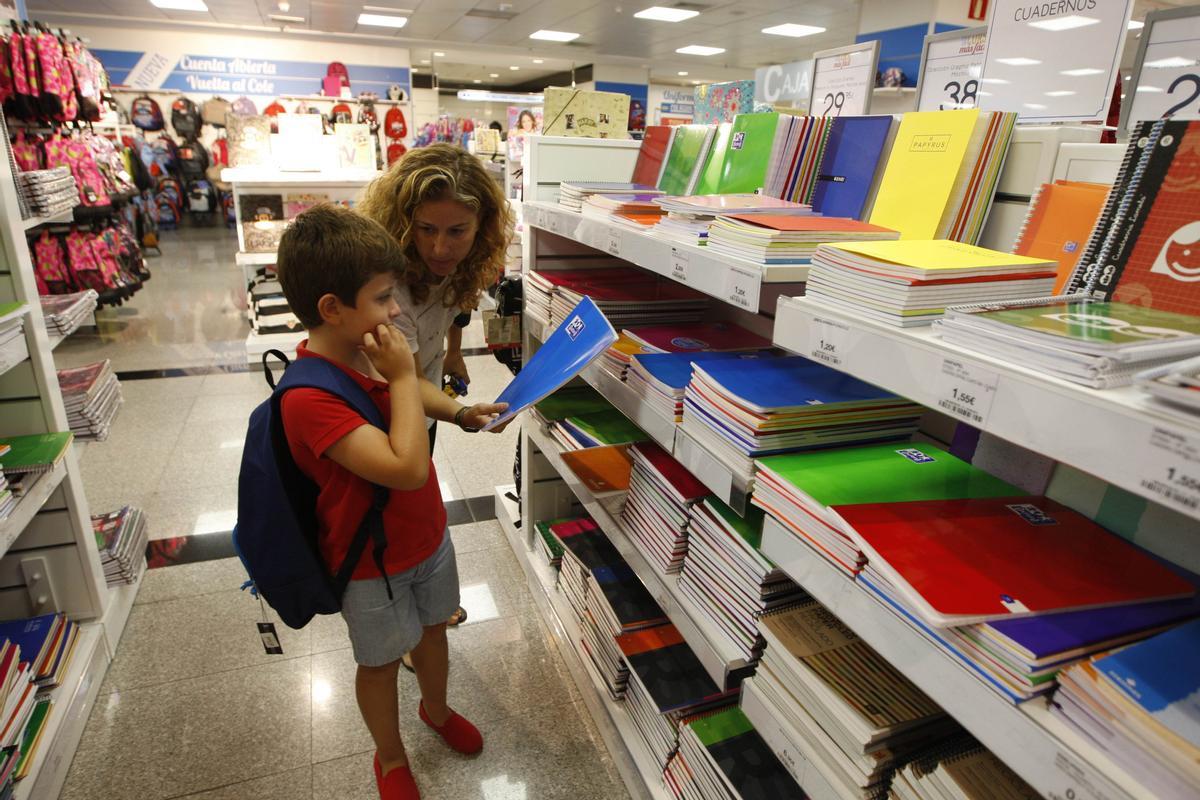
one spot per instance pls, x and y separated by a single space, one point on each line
458 420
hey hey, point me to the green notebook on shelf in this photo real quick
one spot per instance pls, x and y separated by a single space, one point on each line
32 737
688 150
572 401
748 527
9 312
37 453
606 427
714 164
885 473
751 141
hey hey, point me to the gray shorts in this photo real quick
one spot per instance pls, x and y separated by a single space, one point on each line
382 630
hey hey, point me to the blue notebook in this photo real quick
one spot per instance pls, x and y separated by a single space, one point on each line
29 634
582 337
1162 676
792 383
675 369
854 155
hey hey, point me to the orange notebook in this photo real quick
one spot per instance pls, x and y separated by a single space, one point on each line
1060 222
603 470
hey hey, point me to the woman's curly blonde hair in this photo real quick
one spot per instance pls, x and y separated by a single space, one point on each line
443 172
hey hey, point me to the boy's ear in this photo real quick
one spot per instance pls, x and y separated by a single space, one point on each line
329 307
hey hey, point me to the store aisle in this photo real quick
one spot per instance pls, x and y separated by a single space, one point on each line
191 706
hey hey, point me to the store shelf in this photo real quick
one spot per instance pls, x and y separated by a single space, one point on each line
712 472
642 776
120 605
1054 760
29 505
257 344
779 736
73 702
255 259
262 176
1118 435
889 90
720 658
61 218
14 352
660 428
731 280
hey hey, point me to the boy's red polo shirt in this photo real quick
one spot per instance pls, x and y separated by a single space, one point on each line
415 521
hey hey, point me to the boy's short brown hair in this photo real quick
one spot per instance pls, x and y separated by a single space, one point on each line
329 249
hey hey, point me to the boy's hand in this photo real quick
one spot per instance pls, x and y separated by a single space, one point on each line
481 414
388 352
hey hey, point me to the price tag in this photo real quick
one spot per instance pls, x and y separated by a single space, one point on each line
966 392
843 80
741 288
614 243
679 265
829 341
951 68
1171 471
1166 76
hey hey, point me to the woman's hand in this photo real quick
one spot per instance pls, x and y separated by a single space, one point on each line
455 365
480 414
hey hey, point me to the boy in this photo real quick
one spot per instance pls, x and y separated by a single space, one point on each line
338 272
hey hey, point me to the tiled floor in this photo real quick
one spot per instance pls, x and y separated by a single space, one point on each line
191 706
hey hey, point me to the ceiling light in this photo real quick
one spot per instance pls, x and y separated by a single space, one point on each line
382 20
682 73
284 6
424 60
554 36
1018 62
1064 23
539 61
792 29
180 5
700 50
1173 61
695 83
493 74
514 68
1059 93
660 14
1136 25
1078 73
416 69
285 18
477 80
438 54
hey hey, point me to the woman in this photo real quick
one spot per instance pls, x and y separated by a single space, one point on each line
453 223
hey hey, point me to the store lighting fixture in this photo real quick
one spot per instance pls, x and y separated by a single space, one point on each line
1135 25
554 36
1082 71
285 18
514 68
700 50
493 74
180 5
682 73
1060 93
793 30
1064 23
1019 61
1173 61
382 20
539 61
439 54
284 6
424 60
477 80
660 14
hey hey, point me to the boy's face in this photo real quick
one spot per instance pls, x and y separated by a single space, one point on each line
444 233
374 305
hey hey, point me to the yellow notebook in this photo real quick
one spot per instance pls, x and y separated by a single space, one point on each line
922 171
941 255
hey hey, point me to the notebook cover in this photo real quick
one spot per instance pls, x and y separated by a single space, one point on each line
1070 320
572 401
975 560
650 155
719 102
693 336
785 222
714 163
749 527
34 450
885 473
933 255
606 427
586 542
601 469
675 369
686 484
667 667
854 153
681 162
745 760
922 171
791 381
1162 677
1061 218
750 144
30 635
630 601
579 112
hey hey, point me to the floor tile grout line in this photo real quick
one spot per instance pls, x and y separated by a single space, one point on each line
238 783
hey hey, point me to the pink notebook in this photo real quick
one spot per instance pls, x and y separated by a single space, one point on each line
696 336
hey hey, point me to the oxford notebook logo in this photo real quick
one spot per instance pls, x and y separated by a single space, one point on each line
739 139
916 456
575 327
1032 514
1180 255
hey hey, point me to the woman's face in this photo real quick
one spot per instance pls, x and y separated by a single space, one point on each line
526 122
444 233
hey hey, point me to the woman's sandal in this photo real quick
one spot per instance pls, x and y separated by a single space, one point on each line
457 618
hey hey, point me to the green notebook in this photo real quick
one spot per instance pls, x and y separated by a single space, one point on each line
572 401
10 311
687 149
885 473
710 176
749 527
36 453
607 427
551 541
1085 325
751 141
33 730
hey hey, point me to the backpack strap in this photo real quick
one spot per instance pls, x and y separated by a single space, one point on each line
317 373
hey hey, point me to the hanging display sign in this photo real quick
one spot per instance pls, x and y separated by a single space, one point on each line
844 80
1166 73
1053 61
784 84
951 66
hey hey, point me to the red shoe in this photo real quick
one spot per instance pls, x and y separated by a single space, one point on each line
460 734
398 784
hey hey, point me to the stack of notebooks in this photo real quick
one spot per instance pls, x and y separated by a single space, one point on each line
959 768
48 192
693 337
46 644
31 738
64 313
1176 386
795 163
722 757
908 283
685 159
8 500
92 396
1061 218
728 578
572 194
800 489
773 154
666 683
777 239
633 208
661 494
743 409
625 295
941 173
12 327
267 308
850 713
1080 339
29 457
548 544
568 401
1138 705
122 537
595 429
619 356
661 379
688 218
855 152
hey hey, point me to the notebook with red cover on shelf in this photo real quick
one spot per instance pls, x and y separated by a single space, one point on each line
687 487
652 154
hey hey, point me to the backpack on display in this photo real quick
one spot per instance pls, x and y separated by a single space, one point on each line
86 271
341 113
83 67
50 265
201 198
185 118
214 111
26 153
144 113
276 531
244 107
193 159
395 152
168 201
394 124
336 78
55 80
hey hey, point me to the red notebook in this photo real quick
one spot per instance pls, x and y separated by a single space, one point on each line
688 487
696 336
959 562
651 154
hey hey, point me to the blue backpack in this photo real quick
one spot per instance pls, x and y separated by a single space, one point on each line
276 531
